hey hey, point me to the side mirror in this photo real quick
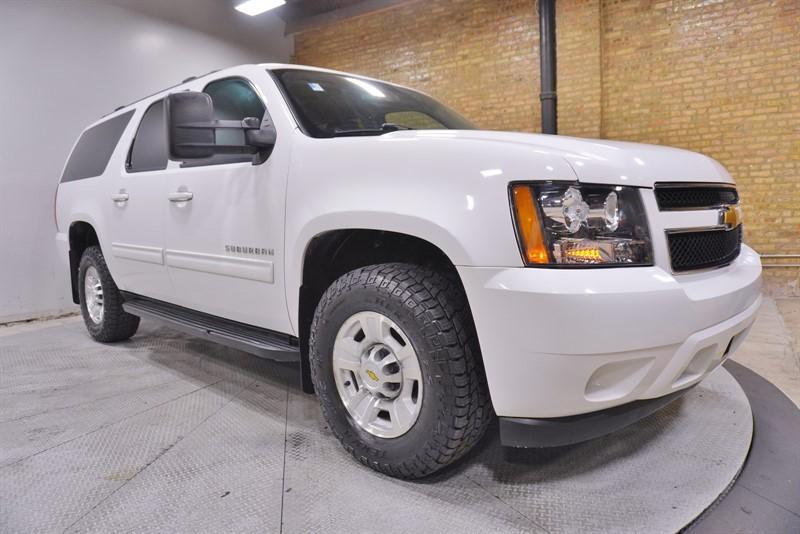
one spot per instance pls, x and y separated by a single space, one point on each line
191 130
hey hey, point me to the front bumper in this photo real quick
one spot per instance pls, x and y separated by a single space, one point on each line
563 342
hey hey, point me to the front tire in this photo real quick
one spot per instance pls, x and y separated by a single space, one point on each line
101 301
395 362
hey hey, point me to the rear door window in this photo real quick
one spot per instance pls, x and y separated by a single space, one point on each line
149 151
95 146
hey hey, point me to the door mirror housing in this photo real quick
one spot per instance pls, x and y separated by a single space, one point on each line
189 125
191 130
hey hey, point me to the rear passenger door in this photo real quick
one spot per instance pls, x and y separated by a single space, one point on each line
137 218
223 246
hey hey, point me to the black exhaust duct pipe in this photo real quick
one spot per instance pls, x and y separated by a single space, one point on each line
547 56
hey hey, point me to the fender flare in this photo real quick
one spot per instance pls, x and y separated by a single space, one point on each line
422 229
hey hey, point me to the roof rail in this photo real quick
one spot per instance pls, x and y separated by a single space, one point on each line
187 80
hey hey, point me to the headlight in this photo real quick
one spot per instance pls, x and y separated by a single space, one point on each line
574 225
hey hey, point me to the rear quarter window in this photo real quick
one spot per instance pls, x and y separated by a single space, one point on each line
95 146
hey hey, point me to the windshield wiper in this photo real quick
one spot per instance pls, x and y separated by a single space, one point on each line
386 127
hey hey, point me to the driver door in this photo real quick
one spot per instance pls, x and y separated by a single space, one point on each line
225 221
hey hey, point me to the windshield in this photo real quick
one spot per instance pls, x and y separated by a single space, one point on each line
337 105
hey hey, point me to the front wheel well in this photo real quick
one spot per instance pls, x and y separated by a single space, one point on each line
331 254
81 236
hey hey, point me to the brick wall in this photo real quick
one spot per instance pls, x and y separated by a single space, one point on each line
476 56
720 77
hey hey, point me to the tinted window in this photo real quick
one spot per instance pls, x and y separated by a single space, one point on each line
149 149
91 154
234 99
331 105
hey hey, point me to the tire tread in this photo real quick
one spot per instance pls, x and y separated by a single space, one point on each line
117 324
438 301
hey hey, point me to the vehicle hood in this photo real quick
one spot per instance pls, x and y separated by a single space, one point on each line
595 160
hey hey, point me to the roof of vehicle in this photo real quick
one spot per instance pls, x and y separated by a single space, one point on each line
281 66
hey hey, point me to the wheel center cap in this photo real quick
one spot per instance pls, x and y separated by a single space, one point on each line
380 372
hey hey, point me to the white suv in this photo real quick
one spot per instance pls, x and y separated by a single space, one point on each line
426 275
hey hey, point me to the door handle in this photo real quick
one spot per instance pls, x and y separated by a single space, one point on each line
180 196
120 197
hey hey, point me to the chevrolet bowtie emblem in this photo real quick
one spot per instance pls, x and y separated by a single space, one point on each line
730 216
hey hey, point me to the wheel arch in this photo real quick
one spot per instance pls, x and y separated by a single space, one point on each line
332 253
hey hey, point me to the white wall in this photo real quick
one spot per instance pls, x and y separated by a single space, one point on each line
63 64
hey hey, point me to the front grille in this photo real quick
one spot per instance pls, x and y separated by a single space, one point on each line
703 249
671 197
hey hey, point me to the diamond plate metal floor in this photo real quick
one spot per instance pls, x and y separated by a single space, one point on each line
171 433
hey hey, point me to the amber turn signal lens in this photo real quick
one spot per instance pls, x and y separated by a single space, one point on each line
529 225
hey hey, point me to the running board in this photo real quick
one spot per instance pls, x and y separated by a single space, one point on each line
254 340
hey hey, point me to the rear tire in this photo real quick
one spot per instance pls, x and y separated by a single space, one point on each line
101 301
429 310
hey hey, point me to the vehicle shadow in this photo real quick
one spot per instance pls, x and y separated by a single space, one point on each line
214 367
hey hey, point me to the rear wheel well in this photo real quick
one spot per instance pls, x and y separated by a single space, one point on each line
334 253
81 236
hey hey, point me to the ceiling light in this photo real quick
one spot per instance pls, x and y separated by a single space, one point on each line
256 7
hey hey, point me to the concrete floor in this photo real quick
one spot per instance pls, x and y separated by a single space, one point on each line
773 347
171 433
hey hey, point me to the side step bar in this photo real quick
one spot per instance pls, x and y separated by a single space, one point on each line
258 341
